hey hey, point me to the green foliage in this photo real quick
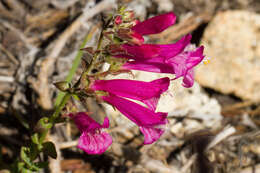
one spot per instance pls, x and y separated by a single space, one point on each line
49 149
26 156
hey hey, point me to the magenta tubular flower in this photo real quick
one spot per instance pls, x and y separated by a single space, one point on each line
152 25
146 92
171 58
155 24
147 120
154 52
92 139
180 65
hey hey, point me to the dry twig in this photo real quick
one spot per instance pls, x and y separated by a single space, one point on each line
9 54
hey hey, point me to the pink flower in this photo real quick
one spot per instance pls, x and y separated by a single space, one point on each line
146 119
154 52
147 92
155 24
152 25
176 58
92 139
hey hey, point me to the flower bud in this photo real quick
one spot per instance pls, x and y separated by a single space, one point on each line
136 38
118 20
131 36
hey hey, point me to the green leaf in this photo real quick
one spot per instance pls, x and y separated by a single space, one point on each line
75 97
35 138
25 156
49 149
42 164
74 67
25 170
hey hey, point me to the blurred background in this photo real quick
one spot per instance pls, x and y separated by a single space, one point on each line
213 126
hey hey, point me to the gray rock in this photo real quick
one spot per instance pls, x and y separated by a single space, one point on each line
232 41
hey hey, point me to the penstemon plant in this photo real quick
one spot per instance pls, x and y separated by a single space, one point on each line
121 45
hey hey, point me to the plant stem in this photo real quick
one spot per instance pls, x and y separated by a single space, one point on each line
95 56
75 65
60 107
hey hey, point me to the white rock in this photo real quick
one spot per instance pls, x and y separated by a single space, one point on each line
232 40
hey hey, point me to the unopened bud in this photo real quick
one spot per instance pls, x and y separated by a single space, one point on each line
136 38
131 36
62 85
118 20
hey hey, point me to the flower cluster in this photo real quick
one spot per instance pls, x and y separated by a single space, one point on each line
127 51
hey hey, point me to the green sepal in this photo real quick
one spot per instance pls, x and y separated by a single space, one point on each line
44 123
35 138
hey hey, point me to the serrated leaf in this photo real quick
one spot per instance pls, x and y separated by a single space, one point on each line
49 149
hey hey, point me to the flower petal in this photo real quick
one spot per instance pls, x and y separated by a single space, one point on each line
154 52
140 115
94 143
141 52
147 120
92 139
148 66
195 57
155 24
151 134
85 122
171 50
146 92
188 79
183 64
